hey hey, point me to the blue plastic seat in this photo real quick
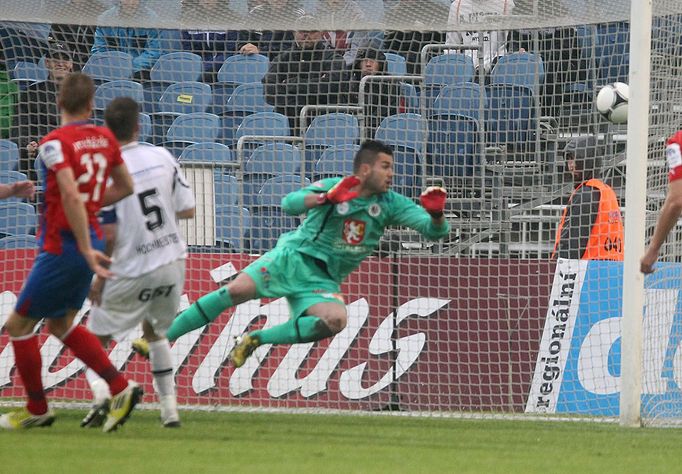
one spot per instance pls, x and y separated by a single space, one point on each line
145 124
171 68
460 99
454 145
26 73
612 52
329 130
262 124
109 66
404 130
207 152
267 161
448 69
9 155
226 190
511 117
233 225
17 218
184 98
396 65
336 161
108 91
19 241
245 100
240 69
407 172
268 220
522 69
189 129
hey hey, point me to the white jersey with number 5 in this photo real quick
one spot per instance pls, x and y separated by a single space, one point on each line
147 235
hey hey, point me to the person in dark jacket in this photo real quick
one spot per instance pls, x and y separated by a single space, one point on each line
307 74
37 112
213 46
591 226
268 42
77 38
381 98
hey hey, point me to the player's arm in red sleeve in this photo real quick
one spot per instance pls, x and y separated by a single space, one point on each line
121 185
670 212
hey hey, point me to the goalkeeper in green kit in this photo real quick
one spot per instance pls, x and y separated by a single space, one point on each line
346 218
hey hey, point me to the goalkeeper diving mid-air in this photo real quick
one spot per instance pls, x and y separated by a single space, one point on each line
346 218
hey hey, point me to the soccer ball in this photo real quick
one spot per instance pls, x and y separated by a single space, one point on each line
612 102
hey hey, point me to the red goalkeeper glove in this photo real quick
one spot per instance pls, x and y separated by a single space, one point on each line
433 200
341 191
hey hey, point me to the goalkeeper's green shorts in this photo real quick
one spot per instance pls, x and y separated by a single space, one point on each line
302 279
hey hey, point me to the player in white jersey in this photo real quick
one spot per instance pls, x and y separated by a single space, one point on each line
148 254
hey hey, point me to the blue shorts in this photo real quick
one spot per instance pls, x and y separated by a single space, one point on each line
57 283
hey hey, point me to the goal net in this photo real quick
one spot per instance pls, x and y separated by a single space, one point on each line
493 100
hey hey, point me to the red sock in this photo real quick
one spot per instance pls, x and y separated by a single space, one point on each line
29 364
87 348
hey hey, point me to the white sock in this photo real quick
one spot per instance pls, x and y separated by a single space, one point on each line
99 387
162 367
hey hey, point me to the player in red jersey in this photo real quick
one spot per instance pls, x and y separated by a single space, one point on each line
672 207
79 159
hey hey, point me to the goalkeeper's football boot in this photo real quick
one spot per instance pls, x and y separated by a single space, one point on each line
23 419
141 346
122 405
97 414
169 411
243 348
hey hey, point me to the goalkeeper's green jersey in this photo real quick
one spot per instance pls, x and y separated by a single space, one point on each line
343 235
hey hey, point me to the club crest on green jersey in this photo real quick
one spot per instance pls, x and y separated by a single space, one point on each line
374 210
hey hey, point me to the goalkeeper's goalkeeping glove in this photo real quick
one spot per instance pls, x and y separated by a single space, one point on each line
433 200
341 191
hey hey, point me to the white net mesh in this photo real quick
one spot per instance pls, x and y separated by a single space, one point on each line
256 99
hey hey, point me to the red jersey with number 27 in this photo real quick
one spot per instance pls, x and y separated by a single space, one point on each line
673 156
91 152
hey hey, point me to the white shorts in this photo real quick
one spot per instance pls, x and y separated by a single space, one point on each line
126 302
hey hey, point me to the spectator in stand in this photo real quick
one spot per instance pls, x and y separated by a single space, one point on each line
382 98
77 38
143 44
267 42
213 46
306 74
8 99
409 43
341 14
37 112
494 43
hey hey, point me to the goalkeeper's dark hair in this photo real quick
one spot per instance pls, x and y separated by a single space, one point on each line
76 93
122 116
368 153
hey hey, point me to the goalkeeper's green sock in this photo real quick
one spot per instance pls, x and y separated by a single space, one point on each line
301 329
203 311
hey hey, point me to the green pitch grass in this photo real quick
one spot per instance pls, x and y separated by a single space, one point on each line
276 443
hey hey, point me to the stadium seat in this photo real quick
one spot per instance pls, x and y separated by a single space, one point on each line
226 190
454 145
336 161
511 117
108 91
19 241
396 65
245 100
268 221
11 176
233 224
445 69
612 52
262 124
522 69
109 66
177 99
265 162
240 69
171 68
461 99
329 130
17 218
9 155
26 73
407 172
207 152
145 124
405 130
189 129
